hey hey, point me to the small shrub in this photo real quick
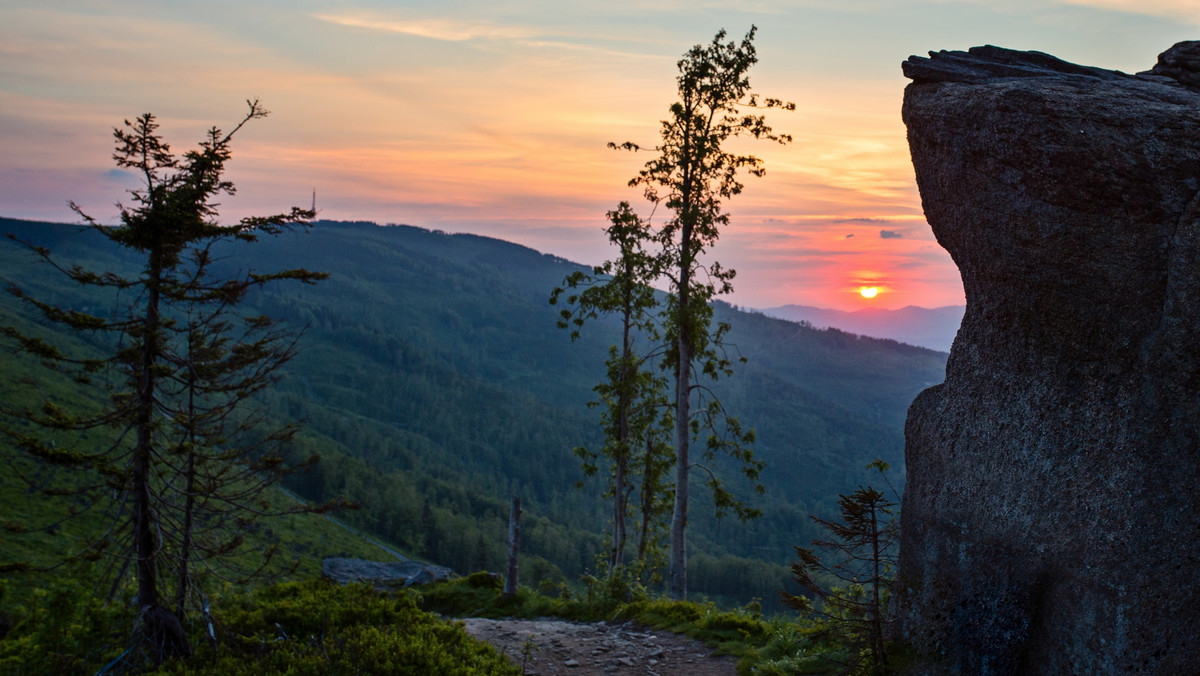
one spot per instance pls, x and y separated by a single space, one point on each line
794 648
485 580
469 597
62 628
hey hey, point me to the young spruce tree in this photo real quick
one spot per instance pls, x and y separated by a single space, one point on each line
861 555
187 465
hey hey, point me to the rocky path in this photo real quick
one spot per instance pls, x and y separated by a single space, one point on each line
556 647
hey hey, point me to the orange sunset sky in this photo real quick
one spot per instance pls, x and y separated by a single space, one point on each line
492 117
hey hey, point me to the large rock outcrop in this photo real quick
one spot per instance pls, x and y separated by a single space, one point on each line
1050 517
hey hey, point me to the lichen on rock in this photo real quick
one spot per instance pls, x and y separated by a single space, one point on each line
1050 518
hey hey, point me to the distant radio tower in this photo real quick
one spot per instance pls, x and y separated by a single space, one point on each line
314 206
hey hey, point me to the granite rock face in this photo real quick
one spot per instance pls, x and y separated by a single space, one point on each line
1051 516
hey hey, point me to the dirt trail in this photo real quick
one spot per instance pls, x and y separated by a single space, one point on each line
599 649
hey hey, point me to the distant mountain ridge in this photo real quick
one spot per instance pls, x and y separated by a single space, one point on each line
924 327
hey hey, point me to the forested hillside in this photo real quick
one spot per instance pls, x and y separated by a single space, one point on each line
434 384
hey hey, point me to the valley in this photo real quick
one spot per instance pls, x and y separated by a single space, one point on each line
434 384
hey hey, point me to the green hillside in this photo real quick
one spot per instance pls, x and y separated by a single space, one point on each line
434 383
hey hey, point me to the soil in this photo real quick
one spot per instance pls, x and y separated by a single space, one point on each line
598 649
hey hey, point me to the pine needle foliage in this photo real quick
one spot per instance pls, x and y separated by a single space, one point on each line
861 556
176 456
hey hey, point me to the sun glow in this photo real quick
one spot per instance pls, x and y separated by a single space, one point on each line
869 291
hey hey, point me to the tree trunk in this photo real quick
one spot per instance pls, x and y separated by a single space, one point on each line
189 507
648 488
876 605
683 406
678 586
617 556
185 546
144 542
514 546
624 402
161 629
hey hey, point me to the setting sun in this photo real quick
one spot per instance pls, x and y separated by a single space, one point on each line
869 291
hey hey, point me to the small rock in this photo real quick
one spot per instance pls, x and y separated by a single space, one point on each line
572 663
383 575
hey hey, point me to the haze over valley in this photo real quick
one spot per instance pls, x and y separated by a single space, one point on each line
933 328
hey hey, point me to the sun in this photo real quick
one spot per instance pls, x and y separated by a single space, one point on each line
869 291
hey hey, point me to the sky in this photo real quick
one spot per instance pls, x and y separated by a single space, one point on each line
492 117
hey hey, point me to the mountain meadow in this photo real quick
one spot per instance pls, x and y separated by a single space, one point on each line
434 384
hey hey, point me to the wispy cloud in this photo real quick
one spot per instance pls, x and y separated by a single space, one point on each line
434 29
448 30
